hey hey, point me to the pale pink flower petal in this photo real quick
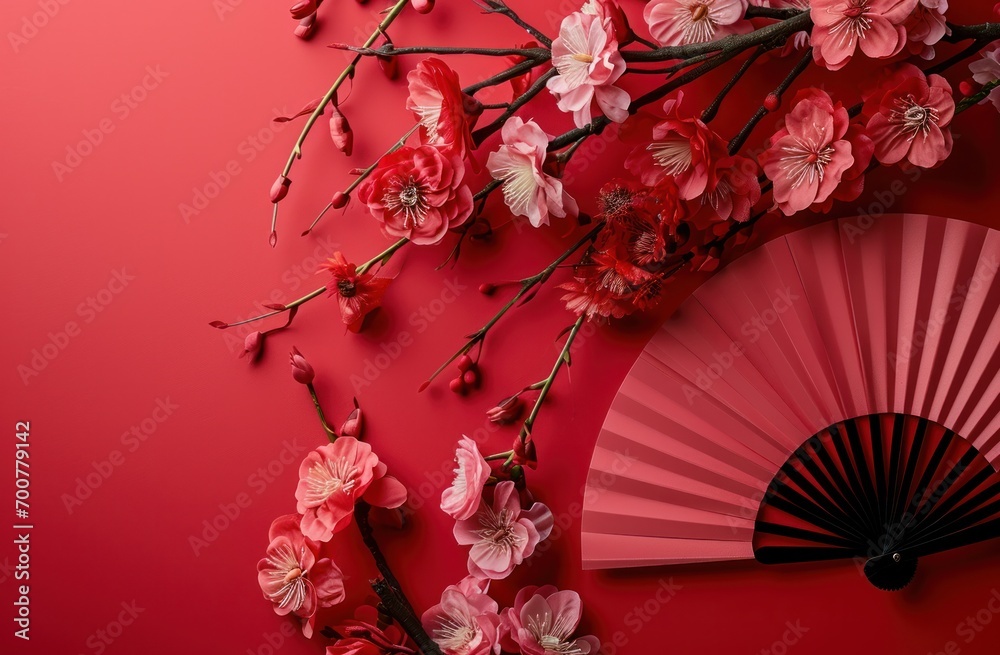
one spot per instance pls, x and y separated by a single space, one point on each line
543 621
501 534
461 500
585 54
679 22
465 622
527 190
840 27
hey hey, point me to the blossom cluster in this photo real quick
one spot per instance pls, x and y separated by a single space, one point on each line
686 191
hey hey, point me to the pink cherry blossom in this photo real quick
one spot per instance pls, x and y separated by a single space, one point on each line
585 54
910 118
465 622
679 22
841 26
808 156
926 26
527 190
501 534
987 69
680 146
294 577
542 622
461 500
333 478
734 195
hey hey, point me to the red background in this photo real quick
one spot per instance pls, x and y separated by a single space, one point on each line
223 72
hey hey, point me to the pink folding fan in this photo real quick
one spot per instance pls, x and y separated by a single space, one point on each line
832 394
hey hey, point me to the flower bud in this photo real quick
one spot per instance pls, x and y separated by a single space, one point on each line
340 200
280 188
506 411
302 371
458 386
389 66
306 27
340 131
772 102
303 8
422 6
969 87
464 363
354 424
524 452
253 346
487 289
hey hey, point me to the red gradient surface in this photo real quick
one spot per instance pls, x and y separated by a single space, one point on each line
105 247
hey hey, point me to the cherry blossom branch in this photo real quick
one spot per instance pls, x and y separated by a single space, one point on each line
522 296
388 588
390 50
713 108
978 97
515 70
484 133
380 258
347 73
500 7
754 11
512 72
737 142
738 42
330 432
981 32
356 182
563 359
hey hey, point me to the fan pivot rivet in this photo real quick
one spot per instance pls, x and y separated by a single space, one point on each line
896 557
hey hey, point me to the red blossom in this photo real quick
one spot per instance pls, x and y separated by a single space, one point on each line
418 193
358 295
446 115
679 146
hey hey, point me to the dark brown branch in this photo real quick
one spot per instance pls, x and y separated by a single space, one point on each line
388 588
738 42
500 7
740 139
